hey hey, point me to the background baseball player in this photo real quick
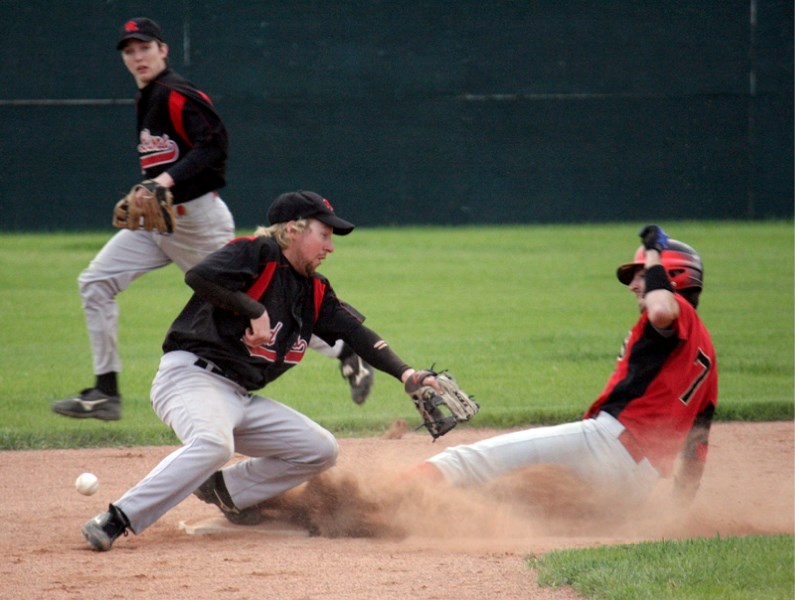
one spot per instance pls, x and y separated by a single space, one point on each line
658 403
257 302
182 146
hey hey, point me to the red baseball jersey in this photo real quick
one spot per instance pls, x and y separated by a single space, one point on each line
663 386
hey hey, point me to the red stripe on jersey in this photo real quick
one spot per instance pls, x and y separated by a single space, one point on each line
176 102
262 282
205 96
320 291
242 238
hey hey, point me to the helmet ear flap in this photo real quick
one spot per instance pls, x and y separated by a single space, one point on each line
683 265
675 275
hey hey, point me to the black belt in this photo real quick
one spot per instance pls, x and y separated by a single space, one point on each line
208 366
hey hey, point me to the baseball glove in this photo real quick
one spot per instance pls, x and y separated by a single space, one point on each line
440 412
148 205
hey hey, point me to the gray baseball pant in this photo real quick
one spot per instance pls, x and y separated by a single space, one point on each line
205 226
214 418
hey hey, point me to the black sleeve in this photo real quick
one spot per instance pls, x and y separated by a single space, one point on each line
368 344
233 301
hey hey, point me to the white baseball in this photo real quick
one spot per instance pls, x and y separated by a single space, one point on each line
87 484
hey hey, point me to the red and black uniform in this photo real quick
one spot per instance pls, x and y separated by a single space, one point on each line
180 132
665 389
215 319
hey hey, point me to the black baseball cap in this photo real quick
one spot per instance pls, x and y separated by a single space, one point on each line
139 28
292 206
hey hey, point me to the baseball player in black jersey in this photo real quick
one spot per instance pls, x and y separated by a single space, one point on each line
257 301
182 145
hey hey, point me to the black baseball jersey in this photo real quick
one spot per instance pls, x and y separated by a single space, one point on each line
180 132
298 306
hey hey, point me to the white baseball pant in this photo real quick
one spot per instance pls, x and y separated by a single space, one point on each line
590 448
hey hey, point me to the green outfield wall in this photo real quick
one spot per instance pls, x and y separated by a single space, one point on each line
418 112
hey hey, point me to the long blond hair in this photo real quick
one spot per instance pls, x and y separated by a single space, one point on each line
279 231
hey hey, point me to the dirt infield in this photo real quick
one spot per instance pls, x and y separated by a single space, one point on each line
461 546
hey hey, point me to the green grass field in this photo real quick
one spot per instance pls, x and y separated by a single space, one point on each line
742 568
528 318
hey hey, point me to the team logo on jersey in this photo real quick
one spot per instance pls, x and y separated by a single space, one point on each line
294 355
156 150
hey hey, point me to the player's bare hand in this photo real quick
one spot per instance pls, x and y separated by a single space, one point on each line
428 378
259 332
431 381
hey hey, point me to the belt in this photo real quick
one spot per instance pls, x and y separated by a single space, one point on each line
208 366
631 444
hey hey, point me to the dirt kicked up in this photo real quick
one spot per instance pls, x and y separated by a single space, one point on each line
372 537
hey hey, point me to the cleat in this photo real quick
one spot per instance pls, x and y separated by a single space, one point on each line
359 375
105 528
90 404
213 491
246 516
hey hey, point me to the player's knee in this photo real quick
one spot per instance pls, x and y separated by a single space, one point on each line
217 449
95 292
325 452
422 473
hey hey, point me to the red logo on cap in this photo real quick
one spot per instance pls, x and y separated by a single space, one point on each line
327 204
131 26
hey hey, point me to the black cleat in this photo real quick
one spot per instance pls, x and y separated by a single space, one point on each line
213 491
90 404
105 528
359 375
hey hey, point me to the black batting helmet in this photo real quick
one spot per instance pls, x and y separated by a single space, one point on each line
681 262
